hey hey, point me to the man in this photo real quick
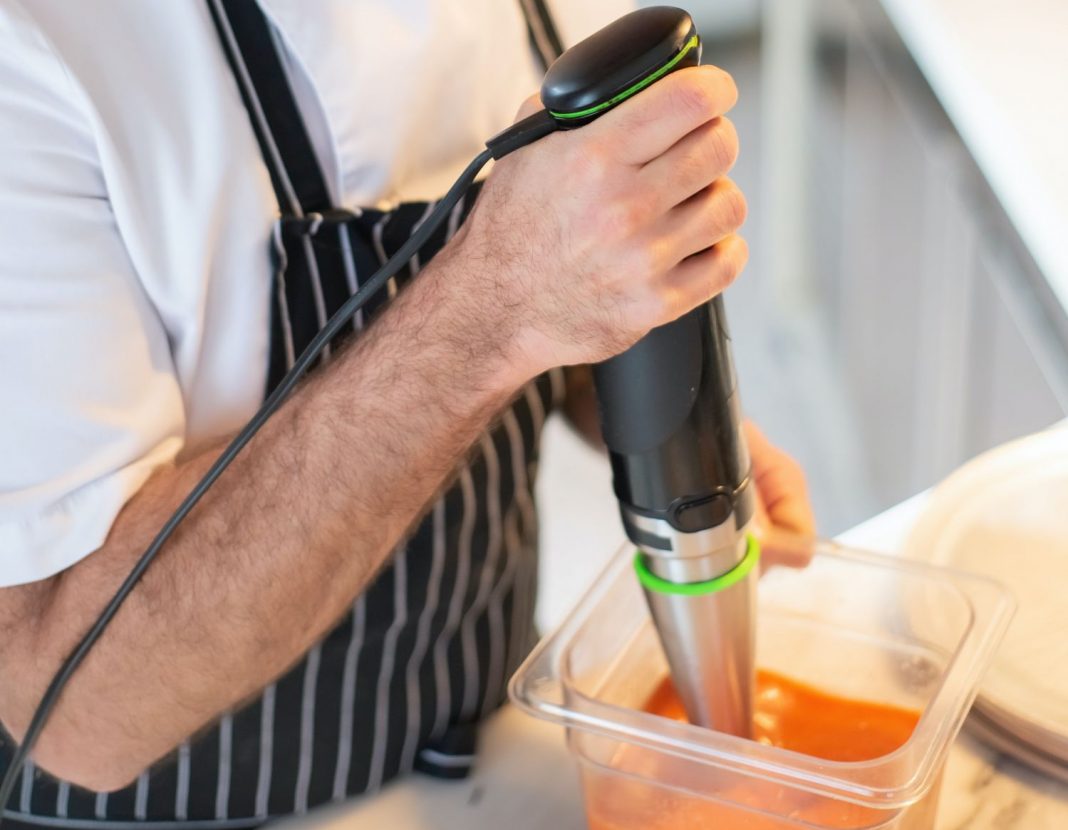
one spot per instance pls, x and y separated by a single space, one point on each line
187 194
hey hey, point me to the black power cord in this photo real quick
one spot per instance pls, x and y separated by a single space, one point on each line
276 398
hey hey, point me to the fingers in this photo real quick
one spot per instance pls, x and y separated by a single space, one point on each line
647 125
702 276
779 547
785 524
704 219
693 163
781 483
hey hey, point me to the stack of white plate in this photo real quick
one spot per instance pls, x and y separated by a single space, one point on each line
1005 515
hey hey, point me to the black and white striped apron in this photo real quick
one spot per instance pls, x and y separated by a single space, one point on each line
428 649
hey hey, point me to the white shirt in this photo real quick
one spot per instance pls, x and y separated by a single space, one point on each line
135 213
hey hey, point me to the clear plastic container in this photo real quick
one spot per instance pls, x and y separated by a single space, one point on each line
851 623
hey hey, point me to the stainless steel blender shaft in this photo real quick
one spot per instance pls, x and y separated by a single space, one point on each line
703 614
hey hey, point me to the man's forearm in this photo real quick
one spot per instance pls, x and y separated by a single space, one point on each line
272 556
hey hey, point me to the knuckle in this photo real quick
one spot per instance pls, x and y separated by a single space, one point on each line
713 154
654 309
591 163
696 96
723 145
731 266
647 261
622 219
700 292
731 206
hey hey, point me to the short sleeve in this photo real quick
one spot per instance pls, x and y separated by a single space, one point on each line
89 402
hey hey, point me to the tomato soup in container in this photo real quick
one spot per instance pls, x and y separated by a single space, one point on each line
867 666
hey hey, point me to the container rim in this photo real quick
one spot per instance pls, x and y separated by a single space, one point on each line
544 688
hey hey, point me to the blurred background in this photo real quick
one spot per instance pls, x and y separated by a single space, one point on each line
891 323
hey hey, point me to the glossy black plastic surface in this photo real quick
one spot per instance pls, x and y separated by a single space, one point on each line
673 425
618 56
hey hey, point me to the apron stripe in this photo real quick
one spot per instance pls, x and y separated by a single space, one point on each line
444 681
526 579
141 797
348 699
100 809
385 673
222 786
26 790
62 799
538 414
307 729
441 759
558 380
181 797
526 513
493 690
506 585
453 224
415 661
263 778
282 264
318 298
485 586
352 281
376 236
414 264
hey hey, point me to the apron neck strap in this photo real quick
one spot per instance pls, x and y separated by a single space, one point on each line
541 28
252 50
253 54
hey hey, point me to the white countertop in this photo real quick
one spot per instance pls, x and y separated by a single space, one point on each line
526 780
1000 70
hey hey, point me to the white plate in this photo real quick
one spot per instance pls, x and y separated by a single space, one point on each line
991 733
1005 515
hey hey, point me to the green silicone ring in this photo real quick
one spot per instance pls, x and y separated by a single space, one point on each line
652 582
691 44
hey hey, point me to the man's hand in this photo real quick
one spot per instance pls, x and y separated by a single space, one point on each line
784 519
582 242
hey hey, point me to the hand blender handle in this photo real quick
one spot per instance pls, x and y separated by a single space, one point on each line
669 408
671 419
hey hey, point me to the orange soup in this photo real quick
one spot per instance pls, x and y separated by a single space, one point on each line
798 717
788 714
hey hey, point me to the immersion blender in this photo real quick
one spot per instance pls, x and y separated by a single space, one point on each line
672 422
